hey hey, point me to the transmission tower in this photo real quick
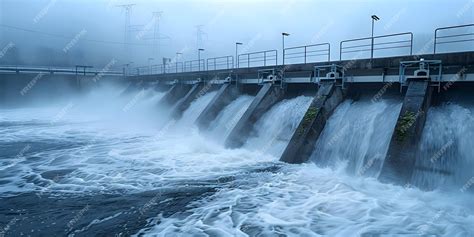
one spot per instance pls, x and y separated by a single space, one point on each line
128 10
156 32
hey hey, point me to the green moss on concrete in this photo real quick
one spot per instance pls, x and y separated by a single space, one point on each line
308 119
404 123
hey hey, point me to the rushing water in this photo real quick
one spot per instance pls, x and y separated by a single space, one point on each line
274 129
446 151
358 134
108 166
222 126
192 113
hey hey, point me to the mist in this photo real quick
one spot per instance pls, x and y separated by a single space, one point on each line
375 145
90 32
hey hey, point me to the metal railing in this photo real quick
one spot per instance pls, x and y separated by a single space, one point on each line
194 66
453 38
390 45
174 67
384 45
59 70
220 63
263 58
143 70
308 53
157 69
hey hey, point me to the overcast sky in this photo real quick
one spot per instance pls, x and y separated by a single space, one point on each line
256 23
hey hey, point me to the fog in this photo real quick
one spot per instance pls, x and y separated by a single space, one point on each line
91 32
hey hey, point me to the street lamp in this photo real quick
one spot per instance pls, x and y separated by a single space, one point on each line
128 66
283 37
149 64
178 54
374 18
199 58
237 53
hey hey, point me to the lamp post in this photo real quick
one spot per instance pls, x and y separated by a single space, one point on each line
128 67
237 53
283 37
149 64
178 54
374 18
199 58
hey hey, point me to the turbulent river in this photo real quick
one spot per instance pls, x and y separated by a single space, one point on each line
111 165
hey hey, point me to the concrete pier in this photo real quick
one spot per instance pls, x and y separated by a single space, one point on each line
184 103
302 143
176 92
400 160
226 94
269 95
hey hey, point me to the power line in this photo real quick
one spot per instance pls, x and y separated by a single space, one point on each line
68 37
128 10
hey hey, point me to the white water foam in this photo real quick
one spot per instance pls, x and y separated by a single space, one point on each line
305 200
272 132
295 200
194 110
221 127
445 159
359 134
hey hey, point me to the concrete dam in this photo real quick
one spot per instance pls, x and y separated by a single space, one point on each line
243 146
369 112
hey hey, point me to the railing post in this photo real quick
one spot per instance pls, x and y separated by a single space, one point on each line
340 51
329 52
248 60
276 57
264 59
305 54
435 38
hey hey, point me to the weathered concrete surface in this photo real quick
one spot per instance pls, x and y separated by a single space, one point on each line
176 92
226 94
400 160
302 143
184 103
267 96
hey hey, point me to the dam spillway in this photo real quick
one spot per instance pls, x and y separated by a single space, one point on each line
157 147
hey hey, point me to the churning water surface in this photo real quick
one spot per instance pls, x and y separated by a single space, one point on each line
116 166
